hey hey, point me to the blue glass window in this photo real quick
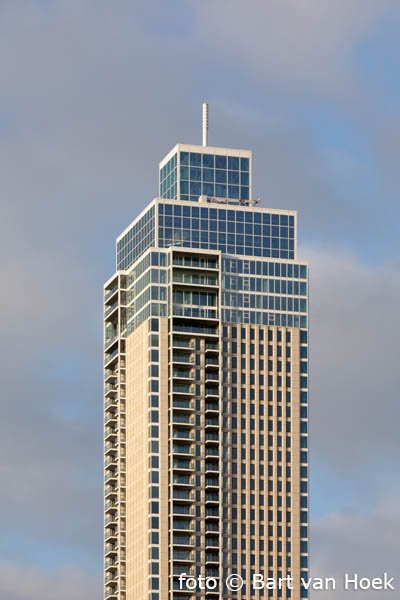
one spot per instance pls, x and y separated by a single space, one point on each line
195 159
244 164
208 160
220 162
233 163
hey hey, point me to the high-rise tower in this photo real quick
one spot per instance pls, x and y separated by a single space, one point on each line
206 389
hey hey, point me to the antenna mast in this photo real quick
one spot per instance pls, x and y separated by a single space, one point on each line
205 124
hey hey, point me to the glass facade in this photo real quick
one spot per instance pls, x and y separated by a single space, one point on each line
168 179
245 232
135 242
264 293
188 175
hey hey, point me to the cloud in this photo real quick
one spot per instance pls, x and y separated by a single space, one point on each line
359 541
306 46
24 582
355 379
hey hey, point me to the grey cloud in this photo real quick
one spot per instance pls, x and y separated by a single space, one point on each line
354 333
23 582
308 47
359 541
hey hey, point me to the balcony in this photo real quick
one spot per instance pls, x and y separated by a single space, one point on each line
183 525
110 433
211 362
179 479
177 570
182 465
111 550
212 572
108 310
183 404
182 434
212 406
212 497
182 540
181 419
183 555
194 313
183 389
182 374
182 509
212 512
182 344
185 449
111 404
212 347
194 279
212 557
110 419
211 437
111 291
195 262
195 329
111 448
111 565
110 389
110 341
110 506
111 520
211 481
110 535
212 452
212 527
212 542
212 422
110 492
212 391
212 467
110 374
111 476
183 495
211 376
182 359
111 357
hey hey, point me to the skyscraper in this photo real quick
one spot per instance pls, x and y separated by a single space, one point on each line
206 389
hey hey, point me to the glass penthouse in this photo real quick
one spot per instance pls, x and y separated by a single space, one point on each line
206 383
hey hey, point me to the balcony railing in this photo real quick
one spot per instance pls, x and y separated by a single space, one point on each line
182 509
195 329
183 434
182 358
180 403
183 555
182 495
182 449
182 479
182 419
186 465
182 540
194 313
195 261
195 279
181 343
183 525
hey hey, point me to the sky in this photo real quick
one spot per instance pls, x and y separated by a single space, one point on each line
92 95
